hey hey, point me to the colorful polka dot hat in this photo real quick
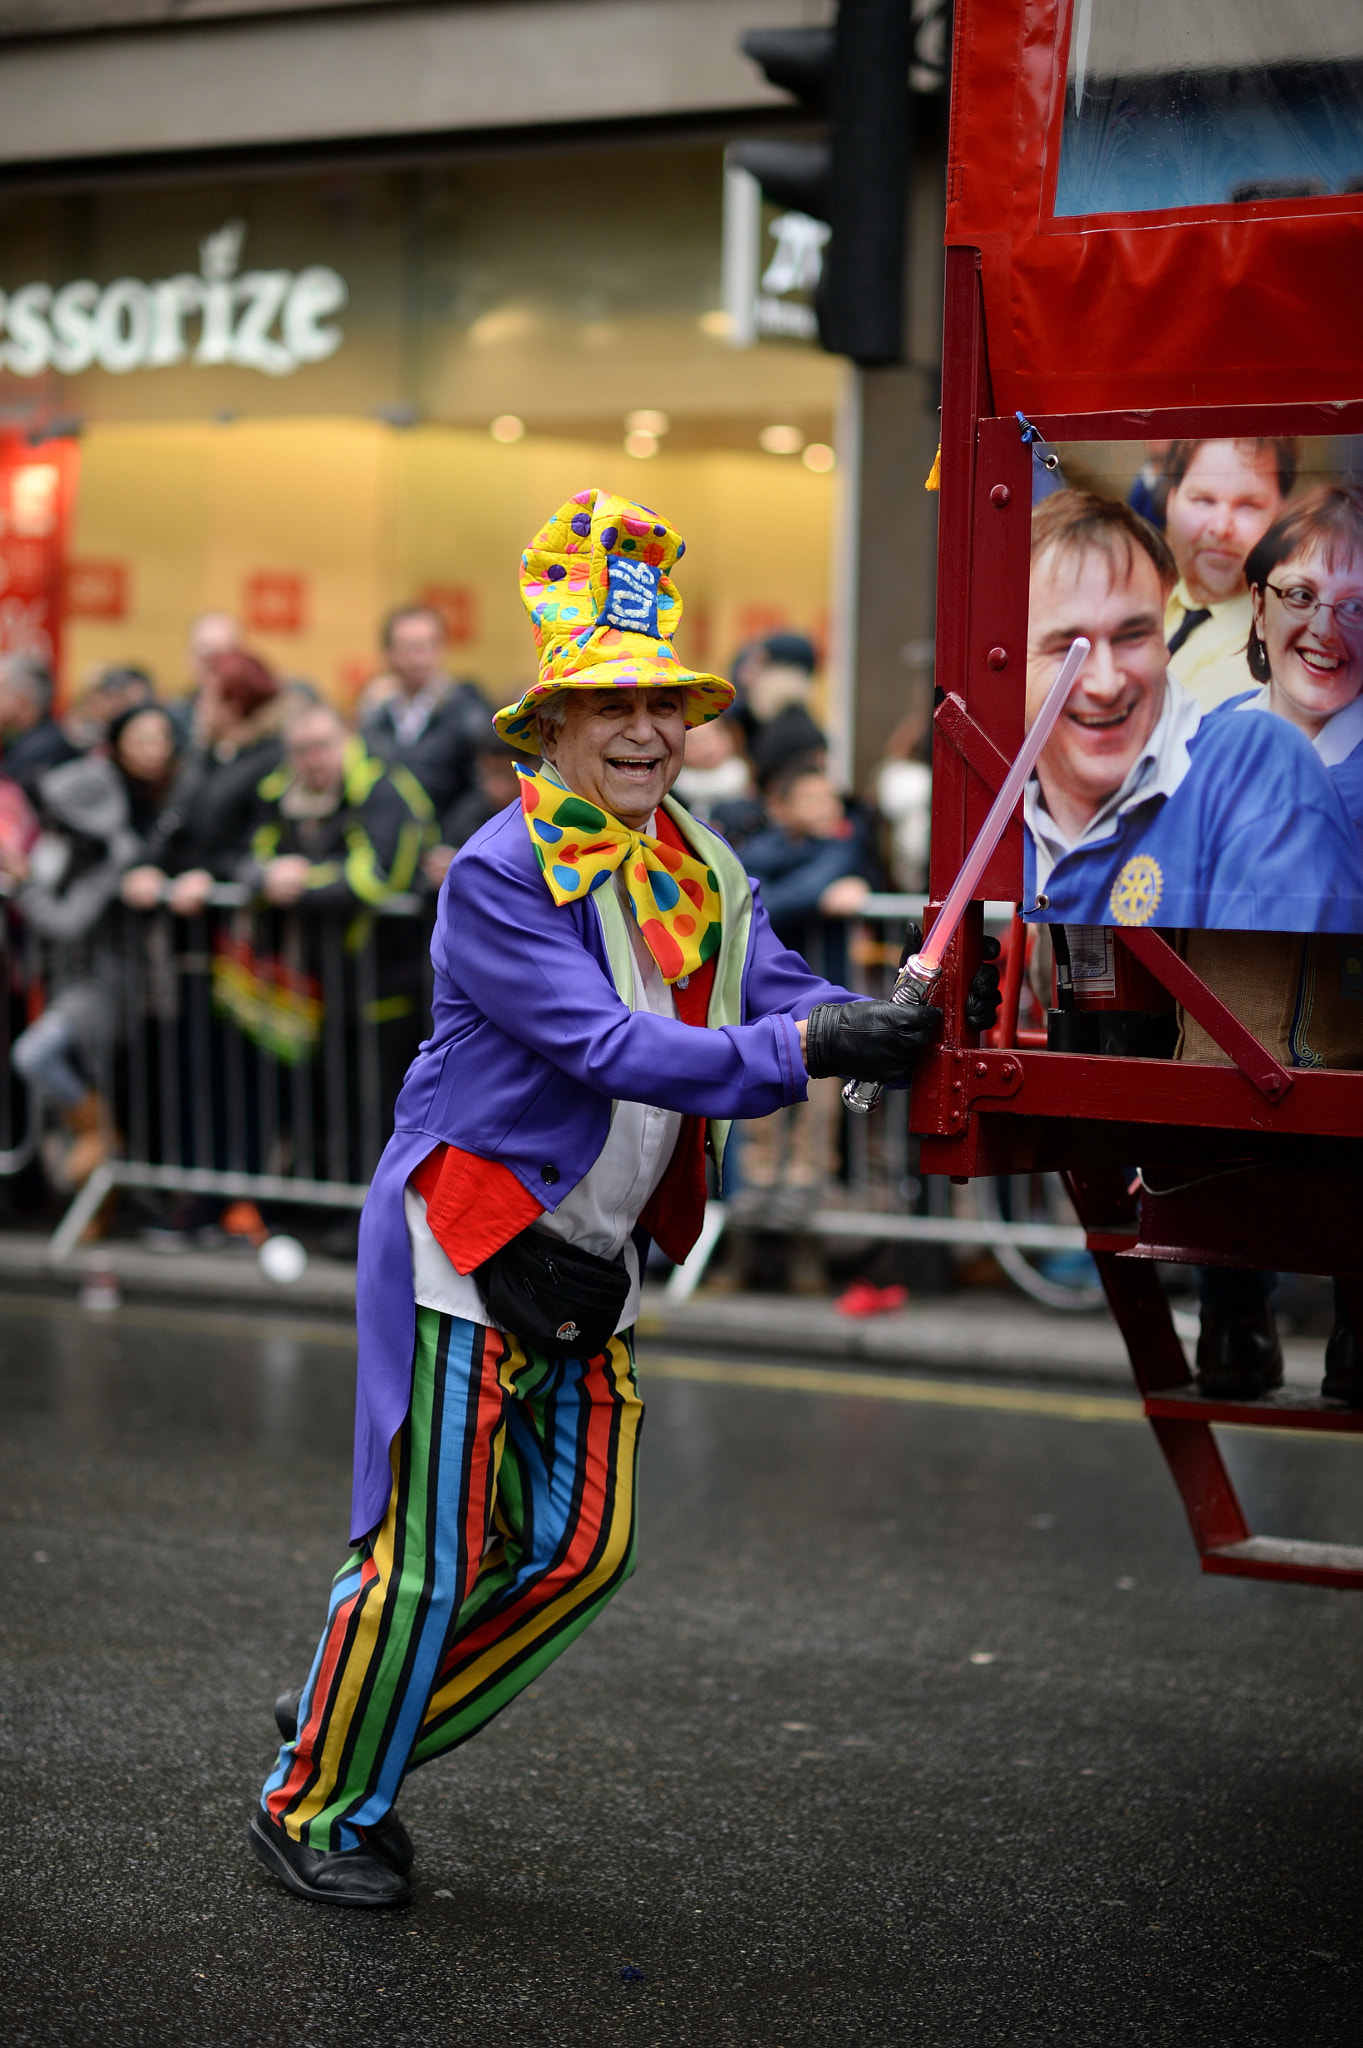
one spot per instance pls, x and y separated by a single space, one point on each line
597 586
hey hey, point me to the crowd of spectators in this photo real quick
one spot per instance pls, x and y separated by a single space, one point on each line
247 787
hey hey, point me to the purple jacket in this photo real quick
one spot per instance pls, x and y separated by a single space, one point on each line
530 1046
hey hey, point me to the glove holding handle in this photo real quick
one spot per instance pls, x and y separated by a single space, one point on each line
911 991
920 971
880 1040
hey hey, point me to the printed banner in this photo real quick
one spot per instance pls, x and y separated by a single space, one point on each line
1207 772
37 490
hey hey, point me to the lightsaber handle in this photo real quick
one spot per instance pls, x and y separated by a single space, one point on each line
913 984
920 971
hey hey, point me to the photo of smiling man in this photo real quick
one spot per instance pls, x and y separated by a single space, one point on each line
1141 811
1222 496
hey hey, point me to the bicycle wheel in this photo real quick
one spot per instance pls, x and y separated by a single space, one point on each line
1066 1280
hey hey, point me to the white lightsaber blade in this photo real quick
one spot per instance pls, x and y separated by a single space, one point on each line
921 969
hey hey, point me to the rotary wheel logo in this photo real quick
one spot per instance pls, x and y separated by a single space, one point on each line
1137 890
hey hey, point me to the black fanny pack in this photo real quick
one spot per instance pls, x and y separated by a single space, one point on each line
560 1302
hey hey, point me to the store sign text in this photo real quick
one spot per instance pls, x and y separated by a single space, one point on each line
268 320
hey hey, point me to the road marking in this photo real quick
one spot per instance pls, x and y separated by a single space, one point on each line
890 1386
791 1379
206 1321
874 1386
799 1379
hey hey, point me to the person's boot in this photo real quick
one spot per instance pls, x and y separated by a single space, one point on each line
730 1270
1343 1367
331 1877
91 1124
808 1272
1239 1356
387 1838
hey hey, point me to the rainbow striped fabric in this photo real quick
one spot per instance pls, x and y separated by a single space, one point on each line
509 1526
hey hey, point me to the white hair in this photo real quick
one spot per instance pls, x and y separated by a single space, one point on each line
553 708
30 675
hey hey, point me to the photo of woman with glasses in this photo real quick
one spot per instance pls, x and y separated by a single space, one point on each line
1305 648
1303 996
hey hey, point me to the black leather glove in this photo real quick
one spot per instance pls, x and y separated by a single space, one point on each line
982 1003
868 1041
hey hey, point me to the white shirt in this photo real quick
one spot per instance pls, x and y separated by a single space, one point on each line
599 1214
700 789
1158 770
1336 739
1211 663
904 797
412 715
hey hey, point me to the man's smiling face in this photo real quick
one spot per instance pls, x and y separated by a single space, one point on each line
1118 604
621 749
1217 512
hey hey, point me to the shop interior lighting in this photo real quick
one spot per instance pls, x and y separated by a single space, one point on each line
646 421
507 428
641 443
501 325
780 440
819 457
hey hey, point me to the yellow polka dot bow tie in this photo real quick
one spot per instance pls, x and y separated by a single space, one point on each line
674 897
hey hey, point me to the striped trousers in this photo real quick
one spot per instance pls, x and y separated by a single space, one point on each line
509 1526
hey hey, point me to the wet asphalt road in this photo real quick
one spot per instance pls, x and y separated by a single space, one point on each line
777 1778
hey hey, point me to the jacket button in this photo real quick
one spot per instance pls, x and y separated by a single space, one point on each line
549 1174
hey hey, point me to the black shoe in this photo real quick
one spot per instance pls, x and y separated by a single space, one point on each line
1343 1368
1239 1356
286 1713
332 1877
387 1838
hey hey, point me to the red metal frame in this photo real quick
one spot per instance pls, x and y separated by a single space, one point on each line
1247 1164
1219 303
981 643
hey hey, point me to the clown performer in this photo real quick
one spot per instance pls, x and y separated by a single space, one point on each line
608 995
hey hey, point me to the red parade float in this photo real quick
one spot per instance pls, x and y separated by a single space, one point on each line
1212 306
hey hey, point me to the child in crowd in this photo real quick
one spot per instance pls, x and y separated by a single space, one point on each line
903 792
716 770
812 861
816 869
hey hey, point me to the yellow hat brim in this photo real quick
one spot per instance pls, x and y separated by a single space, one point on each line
707 697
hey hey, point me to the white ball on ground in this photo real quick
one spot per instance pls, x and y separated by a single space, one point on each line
283 1260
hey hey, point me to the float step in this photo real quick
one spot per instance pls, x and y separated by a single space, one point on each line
1289 1408
1285 1557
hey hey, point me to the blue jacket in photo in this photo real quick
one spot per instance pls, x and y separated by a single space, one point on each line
1338 746
1255 837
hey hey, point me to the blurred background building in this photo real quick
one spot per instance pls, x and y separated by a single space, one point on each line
320 309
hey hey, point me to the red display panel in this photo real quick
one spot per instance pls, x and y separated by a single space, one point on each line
37 487
1219 302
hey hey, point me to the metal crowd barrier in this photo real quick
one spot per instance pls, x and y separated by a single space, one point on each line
878 1195
249 1053
242 1052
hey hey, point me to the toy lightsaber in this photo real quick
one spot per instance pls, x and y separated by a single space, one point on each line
919 973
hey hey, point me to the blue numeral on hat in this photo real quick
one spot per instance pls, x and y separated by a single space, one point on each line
632 603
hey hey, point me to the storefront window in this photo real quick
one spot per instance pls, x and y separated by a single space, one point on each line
1171 105
305 400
